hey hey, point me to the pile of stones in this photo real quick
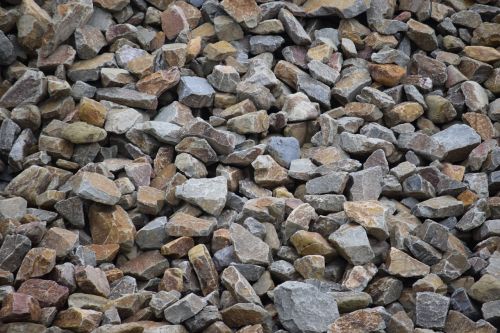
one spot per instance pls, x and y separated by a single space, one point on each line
174 166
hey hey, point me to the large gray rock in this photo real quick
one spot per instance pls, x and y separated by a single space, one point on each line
184 308
207 193
248 248
352 243
431 310
303 308
30 88
458 141
195 92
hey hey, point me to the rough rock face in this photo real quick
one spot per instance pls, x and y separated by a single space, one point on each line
217 166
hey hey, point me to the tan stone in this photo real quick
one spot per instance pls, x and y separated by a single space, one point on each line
159 82
482 53
387 74
37 262
481 123
219 51
179 247
92 112
104 252
401 264
311 243
405 112
111 225
78 320
202 263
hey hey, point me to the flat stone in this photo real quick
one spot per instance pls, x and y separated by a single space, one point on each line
37 262
20 307
401 264
184 308
195 92
128 97
95 187
182 224
371 215
48 293
243 12
439 207
146 266
12 251
78 320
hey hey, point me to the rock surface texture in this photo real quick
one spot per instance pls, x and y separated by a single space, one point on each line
249 166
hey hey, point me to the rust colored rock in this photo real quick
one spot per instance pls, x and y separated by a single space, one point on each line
37 262
159 82
48 293
111 225
146 266
92 281
18 307
78 320
204 267
387 74
177 248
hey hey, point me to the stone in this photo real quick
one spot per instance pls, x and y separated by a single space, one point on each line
268 173
153 235
254 122
293 28
243 12
476 98
128 97
401 264
13 250
486 289
30 88
37 262
146 266
422 35
364 320
248 248
351 241
59 239
159 82
202 263
78 320
208 194
182 224
82 133
431 310
18 307
242 314
89 40
184 308
48 293
95 187
111 225
92 281
195 92
369 214
238 285
347 9
439 207
302 307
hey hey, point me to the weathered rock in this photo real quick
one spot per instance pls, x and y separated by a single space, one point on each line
302 307
248 248
95 187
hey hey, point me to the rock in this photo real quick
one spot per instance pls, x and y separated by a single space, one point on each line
128 97
37 262
241 289
111 225
369 214
78 320
48 293
18 307
248 248
243 12
92 281
204 267
13 250
352 243
182 224
30 88
146 266
184 308
95 187
208 194
347 9
82 133
401 264
364 320
431 309
242 314
255 122
486 289
302 307
439 207
422 35
293 28
476 98
195 92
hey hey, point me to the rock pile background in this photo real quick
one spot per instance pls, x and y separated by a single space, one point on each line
249 166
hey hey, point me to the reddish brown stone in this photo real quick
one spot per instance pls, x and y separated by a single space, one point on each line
159 82
46 292
173 279
146 266
92 280
173 21
37 262
20 307
104 252
177 248
205 269
78 320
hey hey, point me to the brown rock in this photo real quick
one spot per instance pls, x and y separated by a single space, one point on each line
48 293
37 262
78 320
242 314
92 112
159 82
150 200
173 279
481 123
387 74
204 267
178 248
18 307
146 265
182 224
173 21
244 12
104 252
311 243
61 240
92 281
401 264
111 225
